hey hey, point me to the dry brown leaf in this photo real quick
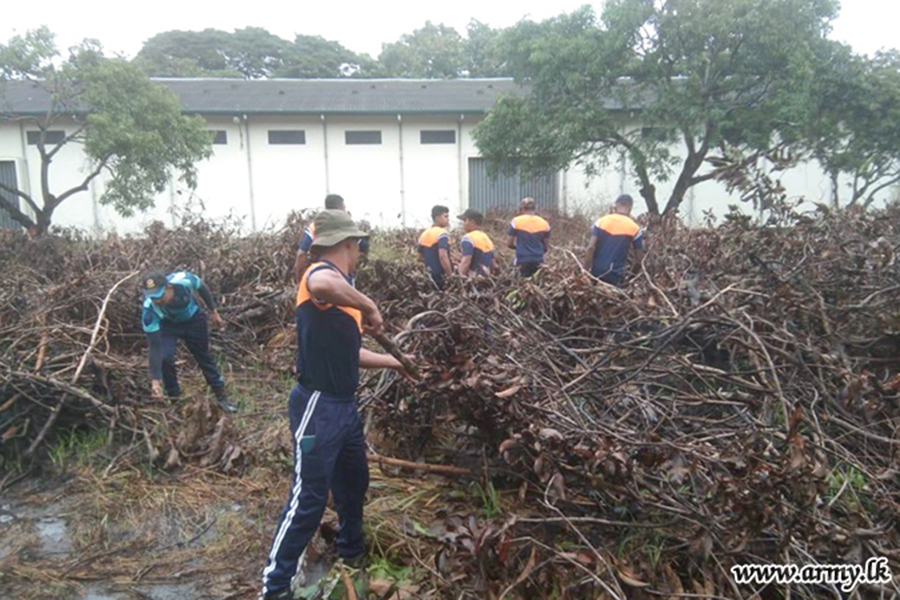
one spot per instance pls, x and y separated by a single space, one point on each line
381 587
551 434
508 392
674 581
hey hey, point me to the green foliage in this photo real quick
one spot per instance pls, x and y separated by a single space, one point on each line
131 128
700 73
314 56
76 447
250 53
855 131
433 51
851 485
491 504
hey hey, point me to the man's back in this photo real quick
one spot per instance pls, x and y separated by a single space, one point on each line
530 232
616 234
481 248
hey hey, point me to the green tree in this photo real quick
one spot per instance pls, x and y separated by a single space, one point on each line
251 53
433 51
481 51
187 54
130 128
855 132
314 56
650 76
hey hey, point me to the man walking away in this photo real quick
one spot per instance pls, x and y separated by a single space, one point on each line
529 236
434 246
332 202
171 312
477 248
329 446
611 238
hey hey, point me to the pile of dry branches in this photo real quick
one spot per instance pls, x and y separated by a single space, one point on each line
73 352
737 402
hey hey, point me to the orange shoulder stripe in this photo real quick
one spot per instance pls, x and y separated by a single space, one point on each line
303 295
531 224
618 225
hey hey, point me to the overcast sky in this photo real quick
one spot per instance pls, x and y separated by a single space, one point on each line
122 27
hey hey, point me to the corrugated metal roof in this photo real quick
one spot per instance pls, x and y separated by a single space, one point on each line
302 96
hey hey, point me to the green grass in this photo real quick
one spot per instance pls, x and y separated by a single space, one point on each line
490 498
382 568
646 542
77 448
856 494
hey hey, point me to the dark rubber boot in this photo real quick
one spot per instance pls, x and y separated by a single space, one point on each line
223 401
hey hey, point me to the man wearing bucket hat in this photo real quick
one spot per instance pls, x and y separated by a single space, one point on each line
171 313
329 444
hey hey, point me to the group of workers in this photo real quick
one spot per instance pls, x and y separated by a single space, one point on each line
331 316
612 236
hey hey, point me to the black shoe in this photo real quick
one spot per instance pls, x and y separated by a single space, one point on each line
280 595
224 403
173 394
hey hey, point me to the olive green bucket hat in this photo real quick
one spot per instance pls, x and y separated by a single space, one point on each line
333 227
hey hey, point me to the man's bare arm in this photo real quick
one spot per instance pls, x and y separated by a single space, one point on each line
465 265
511 242
444 257
375 360
329 286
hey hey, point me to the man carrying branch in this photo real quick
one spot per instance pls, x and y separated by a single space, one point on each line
329 444
171 312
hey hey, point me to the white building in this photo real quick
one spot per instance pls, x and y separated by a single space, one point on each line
391 148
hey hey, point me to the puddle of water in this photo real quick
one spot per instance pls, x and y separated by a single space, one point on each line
95 592
156 592
171 592
54 537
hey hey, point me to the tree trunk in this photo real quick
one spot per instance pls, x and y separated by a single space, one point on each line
648 193
684 183
42 223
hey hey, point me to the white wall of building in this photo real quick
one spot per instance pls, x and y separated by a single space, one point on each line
392 183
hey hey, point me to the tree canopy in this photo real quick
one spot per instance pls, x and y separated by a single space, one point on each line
251 53
699 73
432 51
131 129
854 132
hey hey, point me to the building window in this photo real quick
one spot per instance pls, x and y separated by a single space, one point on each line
362 137
447 136
51 138
220 138
287 136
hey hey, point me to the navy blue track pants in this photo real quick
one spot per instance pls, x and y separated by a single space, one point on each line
195 334
329 454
